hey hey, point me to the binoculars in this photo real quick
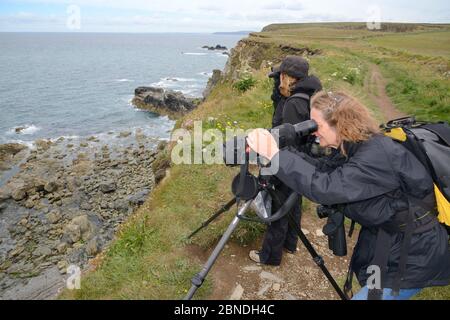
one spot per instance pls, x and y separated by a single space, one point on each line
334 229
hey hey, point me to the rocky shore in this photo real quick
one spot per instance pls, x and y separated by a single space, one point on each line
64 203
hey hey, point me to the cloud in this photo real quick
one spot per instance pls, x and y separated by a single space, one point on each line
290 5
30 18
205 16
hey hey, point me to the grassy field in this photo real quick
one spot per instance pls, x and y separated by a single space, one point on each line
150 258
434 44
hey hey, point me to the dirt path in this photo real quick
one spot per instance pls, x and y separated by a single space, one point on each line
375 85
235 276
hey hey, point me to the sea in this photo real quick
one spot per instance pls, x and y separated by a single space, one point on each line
78 85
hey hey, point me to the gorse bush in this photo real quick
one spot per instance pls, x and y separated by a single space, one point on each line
245 84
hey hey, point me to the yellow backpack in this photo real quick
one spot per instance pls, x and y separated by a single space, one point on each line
430 143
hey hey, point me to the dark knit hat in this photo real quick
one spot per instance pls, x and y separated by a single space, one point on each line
295 66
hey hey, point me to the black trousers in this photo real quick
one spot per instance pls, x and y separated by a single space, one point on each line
279 234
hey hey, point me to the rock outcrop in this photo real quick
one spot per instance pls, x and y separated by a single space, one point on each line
252 54
217 47
9 154
212 82
163 102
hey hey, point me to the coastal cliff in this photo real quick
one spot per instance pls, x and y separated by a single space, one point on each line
150 257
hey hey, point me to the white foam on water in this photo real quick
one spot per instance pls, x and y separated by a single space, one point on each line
195 53
27 129
175 79
164 83
187 91
66 138
205 74
124 80
29 144
178 84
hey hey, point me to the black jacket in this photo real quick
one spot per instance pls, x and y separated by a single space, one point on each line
295 110
373 183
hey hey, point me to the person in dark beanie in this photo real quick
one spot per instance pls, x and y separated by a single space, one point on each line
293 89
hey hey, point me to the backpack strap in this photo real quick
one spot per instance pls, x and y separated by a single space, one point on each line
404 251
300 95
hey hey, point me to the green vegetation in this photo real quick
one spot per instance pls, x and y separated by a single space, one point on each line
245 84
151 258
435 44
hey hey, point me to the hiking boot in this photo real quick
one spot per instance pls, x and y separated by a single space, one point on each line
254 256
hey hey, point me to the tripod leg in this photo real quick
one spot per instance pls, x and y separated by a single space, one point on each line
198 280
316 257
222 210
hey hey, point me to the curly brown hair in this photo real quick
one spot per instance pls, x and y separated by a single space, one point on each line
351 119
287 84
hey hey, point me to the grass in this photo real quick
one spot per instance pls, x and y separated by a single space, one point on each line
435 44
151 258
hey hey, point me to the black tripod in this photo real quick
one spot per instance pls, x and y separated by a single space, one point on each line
199 278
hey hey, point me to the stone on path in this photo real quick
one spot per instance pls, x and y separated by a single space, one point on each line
237 293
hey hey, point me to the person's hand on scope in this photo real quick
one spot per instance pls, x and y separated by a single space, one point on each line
262 142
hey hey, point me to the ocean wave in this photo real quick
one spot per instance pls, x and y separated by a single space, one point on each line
195 53
162 84
175 79
27 129
205 74
124 80
187 91
177 83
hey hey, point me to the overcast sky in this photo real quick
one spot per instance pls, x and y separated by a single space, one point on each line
204 16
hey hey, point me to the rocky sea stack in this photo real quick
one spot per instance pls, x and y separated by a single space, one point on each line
217 47
164 102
